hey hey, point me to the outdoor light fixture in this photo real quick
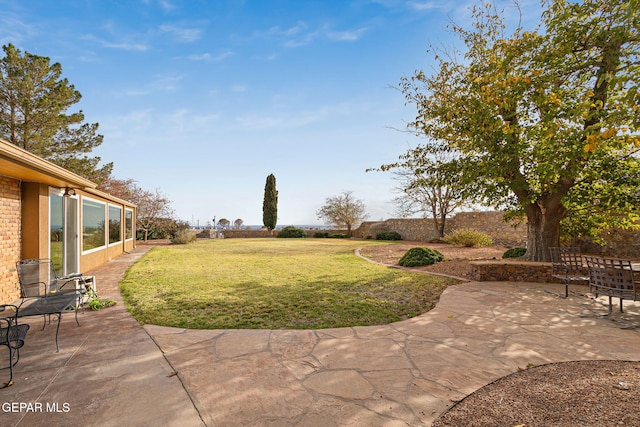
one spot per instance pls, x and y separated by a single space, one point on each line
69 192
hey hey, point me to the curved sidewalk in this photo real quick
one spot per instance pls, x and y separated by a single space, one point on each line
110 372
406 373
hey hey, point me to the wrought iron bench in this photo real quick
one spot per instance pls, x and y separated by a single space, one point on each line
612 277
12 335
44 293
566 265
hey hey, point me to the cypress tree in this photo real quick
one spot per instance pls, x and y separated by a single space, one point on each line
270 204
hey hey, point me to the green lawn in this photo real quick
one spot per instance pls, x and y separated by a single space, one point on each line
273 284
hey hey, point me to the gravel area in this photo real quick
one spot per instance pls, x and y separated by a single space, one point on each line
580 393
456 258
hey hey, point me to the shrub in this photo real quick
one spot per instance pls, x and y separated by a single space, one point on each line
516 252
94 302
469 238
321 234
292 232
184 236
339 236
388 235
415 257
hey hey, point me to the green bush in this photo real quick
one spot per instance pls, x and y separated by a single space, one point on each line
388 235
184 236
321 234
415 257
516 252
339 236
469 238
292 232
94 302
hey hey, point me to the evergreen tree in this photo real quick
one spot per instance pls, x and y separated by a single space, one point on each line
270 204
34 100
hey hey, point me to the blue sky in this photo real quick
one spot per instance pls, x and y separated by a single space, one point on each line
203 99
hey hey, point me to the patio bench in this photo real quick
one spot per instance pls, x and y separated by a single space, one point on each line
612 277
12 335
566 265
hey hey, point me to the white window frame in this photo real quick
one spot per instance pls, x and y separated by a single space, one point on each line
133 232
119 242
106 230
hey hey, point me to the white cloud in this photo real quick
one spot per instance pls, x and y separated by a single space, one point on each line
428 5
207 57
130 46
348 36
292 119
166 5
239 88
159 84
120 45
276 31
13 29
186 35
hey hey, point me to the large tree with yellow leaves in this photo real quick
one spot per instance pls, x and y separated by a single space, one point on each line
544 122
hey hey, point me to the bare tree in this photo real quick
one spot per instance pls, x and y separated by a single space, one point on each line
343 211
424 189
153 207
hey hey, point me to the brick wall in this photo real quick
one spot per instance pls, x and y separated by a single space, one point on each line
9 238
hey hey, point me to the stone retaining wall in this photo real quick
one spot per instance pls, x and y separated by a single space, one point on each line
513 271
422 229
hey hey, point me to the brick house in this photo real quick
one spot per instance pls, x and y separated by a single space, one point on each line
48 212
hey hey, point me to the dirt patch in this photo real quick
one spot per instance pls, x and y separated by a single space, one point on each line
569 394
456 258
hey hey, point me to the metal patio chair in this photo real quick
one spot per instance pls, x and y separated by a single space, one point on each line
44 293
12 335
612 277
566 265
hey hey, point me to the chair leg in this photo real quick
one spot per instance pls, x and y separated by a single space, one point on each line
76 310
621 311
57 329
11 363
610 306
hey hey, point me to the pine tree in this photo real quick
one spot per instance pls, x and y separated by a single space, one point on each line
34 100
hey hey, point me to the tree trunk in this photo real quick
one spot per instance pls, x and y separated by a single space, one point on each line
543 228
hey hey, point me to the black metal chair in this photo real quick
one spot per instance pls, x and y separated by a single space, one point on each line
12 335
566 265
45 293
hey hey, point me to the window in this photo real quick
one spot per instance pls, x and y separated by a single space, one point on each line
115 222
128 224
93 224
